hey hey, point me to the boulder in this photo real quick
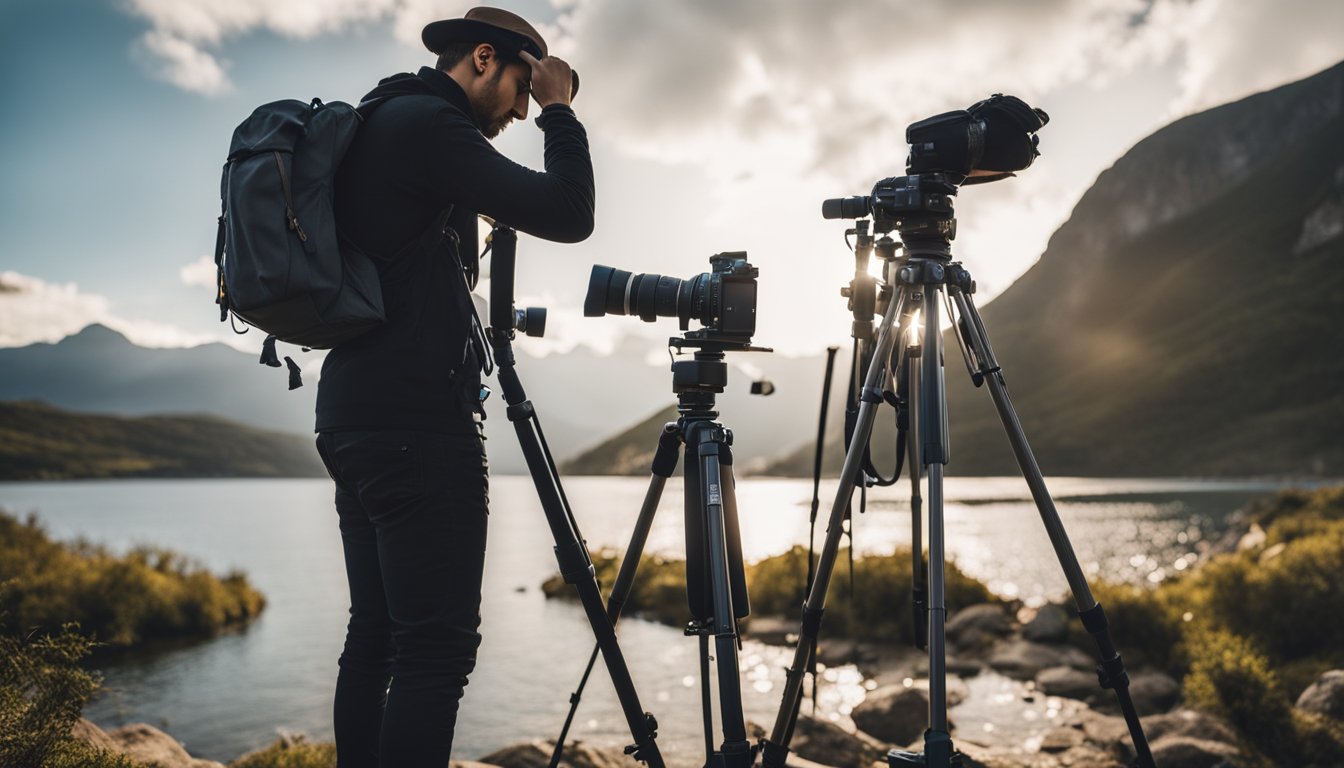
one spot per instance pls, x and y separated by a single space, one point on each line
893 714
1152 691
771 630
825 742
1325 696
1024 660
1069 682
977 625
1051 625
1190 723
84 730
537 754
1188 752
146 744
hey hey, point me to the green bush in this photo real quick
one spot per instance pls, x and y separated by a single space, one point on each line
123 601
1147 625
879 609
1229 677
290 753
42 692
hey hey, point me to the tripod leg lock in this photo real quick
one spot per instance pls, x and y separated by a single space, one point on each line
1111 672
523 410
872 395
811 622
773 755
574 563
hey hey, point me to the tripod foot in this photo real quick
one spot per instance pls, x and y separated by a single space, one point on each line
938 753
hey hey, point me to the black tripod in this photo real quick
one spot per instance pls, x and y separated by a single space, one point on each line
570 551
926 280
715 583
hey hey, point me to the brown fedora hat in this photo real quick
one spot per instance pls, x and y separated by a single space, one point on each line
485 25
507 31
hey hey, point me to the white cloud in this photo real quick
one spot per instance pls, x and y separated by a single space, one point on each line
33 310
201 272
185 65
183 32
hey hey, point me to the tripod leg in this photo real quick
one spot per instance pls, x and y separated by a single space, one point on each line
664 464
934 456
716 497
1111 673
776 747
919 589
572 555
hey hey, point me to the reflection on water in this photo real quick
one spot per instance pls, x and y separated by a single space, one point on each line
231 694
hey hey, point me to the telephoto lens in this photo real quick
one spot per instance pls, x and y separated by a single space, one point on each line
648 296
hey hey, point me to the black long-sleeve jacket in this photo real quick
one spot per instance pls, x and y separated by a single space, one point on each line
415 156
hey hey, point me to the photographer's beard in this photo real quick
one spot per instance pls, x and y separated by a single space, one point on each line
495 112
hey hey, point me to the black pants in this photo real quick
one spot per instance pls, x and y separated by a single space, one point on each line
412 509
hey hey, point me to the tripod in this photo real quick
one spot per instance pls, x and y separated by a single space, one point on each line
715 583
570 551
926 280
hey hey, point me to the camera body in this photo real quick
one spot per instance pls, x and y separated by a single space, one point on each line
723 300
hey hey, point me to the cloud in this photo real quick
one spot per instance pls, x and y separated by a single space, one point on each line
201 272
33 310
184 33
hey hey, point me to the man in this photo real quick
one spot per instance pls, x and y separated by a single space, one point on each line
398 408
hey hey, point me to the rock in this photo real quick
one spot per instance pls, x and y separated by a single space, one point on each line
1051 625
1068 682
1325 696
963 667
1187 722
829 744
771 630
1062 739
894 714
469 764
84 730
1023 659
838 652
1152 691
146 744
977 625
1188 752
537 754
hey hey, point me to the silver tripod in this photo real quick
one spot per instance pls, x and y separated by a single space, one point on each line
926 281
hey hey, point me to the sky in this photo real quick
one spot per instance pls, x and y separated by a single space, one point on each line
715 125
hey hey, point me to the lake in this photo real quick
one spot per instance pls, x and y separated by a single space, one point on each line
235 693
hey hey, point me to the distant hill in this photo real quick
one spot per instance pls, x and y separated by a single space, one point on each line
1188 317
583 397
40 442
629 452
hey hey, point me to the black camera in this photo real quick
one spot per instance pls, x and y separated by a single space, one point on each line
987 142
723 300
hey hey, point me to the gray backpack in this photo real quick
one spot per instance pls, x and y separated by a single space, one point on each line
281 265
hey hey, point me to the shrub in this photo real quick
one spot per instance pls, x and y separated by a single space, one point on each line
42 692
121 600
879 609
294 752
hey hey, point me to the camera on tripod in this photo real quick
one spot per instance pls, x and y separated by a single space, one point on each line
986 142
722 300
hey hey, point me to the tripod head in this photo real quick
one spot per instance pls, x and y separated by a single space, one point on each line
695 382
919 207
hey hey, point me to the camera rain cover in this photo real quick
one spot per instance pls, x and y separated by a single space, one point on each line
1010 142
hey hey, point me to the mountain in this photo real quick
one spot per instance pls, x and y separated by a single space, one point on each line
629 452
39 442
1188 317
582 397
